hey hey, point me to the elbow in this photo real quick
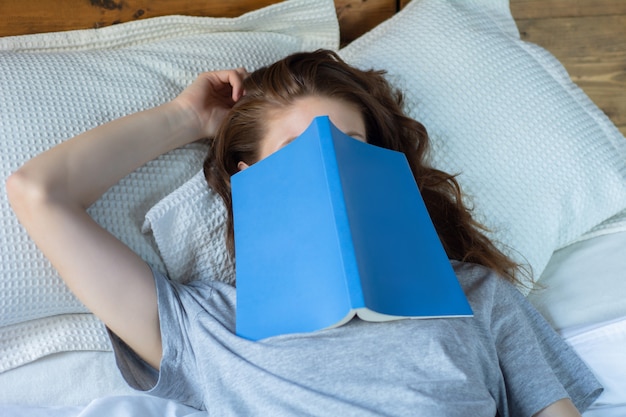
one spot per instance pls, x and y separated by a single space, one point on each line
15 188
24 193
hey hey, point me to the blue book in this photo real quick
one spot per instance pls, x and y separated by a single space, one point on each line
330 227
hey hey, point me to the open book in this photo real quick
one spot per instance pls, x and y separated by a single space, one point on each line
329 227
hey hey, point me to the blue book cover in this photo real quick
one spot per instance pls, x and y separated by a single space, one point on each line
330 227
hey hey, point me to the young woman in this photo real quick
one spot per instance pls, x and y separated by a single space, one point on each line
177 341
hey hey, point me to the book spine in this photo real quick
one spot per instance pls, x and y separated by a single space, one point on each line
344 234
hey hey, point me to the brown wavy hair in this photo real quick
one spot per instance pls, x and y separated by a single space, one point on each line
322 73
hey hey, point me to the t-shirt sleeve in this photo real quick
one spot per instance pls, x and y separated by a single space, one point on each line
538 366
177 377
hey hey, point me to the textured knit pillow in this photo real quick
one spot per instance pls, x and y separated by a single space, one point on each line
54 86
189 228
541 163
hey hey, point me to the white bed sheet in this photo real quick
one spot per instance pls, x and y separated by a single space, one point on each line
132 406
584 283
63 379
118 406
608 411
601 346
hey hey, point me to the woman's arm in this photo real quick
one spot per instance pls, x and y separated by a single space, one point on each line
561 408
51 192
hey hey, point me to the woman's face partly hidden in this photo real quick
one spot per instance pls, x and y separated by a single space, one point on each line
286 124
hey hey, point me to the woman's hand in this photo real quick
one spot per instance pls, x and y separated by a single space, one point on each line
210 97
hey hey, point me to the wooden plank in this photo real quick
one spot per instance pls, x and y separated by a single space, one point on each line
592 36
358 16
543 9
593 50
355 16
51 16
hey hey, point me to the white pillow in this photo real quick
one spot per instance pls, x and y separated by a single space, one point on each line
189 227
542 164
54 86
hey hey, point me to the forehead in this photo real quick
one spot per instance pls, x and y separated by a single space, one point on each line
292 120
284 124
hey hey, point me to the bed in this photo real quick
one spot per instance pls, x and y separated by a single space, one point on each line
543 164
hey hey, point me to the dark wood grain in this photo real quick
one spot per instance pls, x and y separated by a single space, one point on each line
19 17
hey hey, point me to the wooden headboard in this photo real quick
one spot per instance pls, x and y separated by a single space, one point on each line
587 36
18 17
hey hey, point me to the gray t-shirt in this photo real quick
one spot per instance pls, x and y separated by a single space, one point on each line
505 361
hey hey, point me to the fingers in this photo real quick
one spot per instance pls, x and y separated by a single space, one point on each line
233 77
241 75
